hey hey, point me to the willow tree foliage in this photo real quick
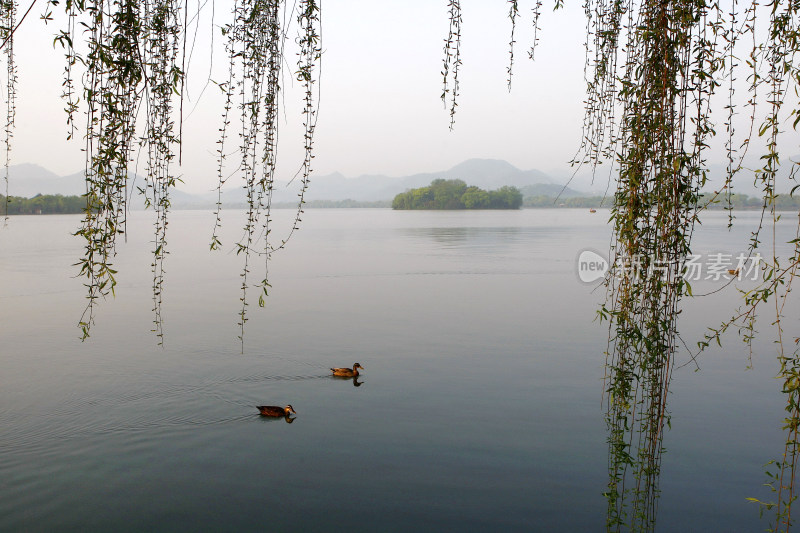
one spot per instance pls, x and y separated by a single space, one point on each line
255 46
663 80
8 15
124 85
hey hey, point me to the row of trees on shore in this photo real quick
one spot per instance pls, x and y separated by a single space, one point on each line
440 193
42 204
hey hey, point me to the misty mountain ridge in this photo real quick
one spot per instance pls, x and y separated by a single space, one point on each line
28 180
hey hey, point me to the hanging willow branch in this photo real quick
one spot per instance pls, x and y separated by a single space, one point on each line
8 10
111 92
537 12
653 70
452 60
780 76
129 64
255 47
513 13
129 55
661 172
161 38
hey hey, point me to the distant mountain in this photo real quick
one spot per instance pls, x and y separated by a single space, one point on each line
488 174
550 189
495 173
743 182
28 180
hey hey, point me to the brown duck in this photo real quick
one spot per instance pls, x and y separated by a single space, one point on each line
274 410
347 372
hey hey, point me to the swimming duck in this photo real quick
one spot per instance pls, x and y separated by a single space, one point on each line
346 371
274 410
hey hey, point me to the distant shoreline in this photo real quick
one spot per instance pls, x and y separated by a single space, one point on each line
70 205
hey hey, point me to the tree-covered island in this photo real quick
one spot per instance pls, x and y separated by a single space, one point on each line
456 194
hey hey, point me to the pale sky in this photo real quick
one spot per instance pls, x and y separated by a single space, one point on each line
380 110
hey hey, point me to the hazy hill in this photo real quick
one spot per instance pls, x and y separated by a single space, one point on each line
487 174
550 189
28 180
743 182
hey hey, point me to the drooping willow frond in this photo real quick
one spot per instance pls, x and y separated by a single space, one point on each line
8 17
653 71
112 88
255 47
452 60
513 13
129 66
129 57
537 12
161 43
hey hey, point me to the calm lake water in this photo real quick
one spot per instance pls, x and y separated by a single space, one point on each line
479 409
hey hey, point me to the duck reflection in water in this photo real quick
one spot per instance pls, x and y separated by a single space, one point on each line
273 411
354 379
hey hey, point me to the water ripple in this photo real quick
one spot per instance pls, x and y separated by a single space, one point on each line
157 405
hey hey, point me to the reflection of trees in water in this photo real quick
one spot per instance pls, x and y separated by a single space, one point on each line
488 239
